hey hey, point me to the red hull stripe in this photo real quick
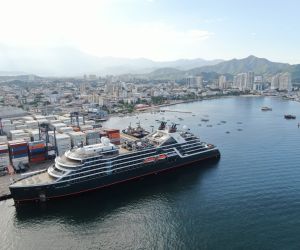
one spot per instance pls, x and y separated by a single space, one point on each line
117 182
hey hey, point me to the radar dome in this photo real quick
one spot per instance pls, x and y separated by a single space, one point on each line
105 141
185 128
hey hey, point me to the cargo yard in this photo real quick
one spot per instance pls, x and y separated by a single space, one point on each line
30 143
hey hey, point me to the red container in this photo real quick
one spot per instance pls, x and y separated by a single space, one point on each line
4 151
15 144
36 146
37 159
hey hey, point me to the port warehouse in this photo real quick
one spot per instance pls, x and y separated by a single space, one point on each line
23 141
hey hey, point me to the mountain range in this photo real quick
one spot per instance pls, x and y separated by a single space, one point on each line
66 61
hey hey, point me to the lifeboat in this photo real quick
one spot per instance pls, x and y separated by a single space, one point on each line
162 157
150 160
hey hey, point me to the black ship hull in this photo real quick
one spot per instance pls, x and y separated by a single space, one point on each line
57 190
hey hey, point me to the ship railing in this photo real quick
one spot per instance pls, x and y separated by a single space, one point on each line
29 175
130 156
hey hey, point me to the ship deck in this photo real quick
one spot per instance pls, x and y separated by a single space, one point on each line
42 178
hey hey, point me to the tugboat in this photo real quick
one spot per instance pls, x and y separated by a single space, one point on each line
137 132
102 165
289 117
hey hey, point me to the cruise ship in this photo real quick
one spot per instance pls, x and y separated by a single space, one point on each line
92 167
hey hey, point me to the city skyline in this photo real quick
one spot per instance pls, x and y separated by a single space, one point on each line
160 30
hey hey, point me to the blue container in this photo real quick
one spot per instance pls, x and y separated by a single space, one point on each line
18 149
36 153
37 150
18 156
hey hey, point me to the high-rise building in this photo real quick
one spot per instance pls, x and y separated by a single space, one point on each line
285 82
250 80
222 82
240 81
275 82
281 81
82 88
199 82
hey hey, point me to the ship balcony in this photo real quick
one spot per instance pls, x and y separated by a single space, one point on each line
55 172
66 162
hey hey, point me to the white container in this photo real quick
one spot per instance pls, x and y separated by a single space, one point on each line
5 122
90 122
16 161
34 135
65 130
40 121
13 133
39 117
32 124
77 138
4 160
3 139
93 141
27 118
61 139
19 127
86 127
8 127
57 126
18 122
50 117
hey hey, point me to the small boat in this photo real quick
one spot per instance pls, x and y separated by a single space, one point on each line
266 108
199 124
205 120
239 123
209 126
239 129
227 132
288 117
223 121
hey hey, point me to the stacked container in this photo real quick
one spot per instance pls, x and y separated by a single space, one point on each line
92 137
7 126
32 124
57 126
90 122
77 138
4 156
20 127
65 130
34 134
19 135
36 151
3 139
86 127
18 150
63 142
113 135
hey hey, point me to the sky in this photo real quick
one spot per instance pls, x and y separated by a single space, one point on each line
156 29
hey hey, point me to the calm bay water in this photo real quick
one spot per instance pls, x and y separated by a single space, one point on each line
250 199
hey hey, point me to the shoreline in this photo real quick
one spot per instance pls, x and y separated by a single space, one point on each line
158 107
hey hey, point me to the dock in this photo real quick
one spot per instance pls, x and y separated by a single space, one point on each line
5 181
